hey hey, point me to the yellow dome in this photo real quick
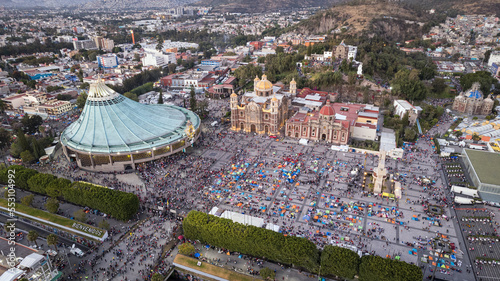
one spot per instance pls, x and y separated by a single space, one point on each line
274 98
293 81
256 78
264 85
233 95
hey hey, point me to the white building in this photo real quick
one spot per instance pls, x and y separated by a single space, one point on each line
84 44
158 59
351 53
494 58
107 61
401 107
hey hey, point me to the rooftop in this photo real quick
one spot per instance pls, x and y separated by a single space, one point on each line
112 123
485 164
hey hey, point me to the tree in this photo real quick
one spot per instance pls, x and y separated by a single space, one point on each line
80 215
407 83
438 86
39 182
81 100
5 138
487 55
157 277
483 77
192 99
405 121
187 249
410 134
476 137
171 67
56 187
52 240
33 236
84 85
339 261
427 73
28 199
267 274
31 123
27 157
52 205
375 268
104 224
159 46
160 98
352 77
202 109
131 96
247 72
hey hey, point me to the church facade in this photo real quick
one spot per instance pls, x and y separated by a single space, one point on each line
472 102
263 111
318 125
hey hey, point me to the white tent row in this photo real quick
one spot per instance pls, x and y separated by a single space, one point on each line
343 148
464 190
463 200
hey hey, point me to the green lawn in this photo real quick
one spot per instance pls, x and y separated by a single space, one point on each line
50 217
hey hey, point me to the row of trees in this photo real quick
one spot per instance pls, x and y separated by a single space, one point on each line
29 148
35 47
251 240
300 252
119 204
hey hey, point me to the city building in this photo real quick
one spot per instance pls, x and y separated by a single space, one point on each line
318 125
55 107
104 43
84 44
494 58
262 111
115 133
482 167
335 123
472 102
107 61
184 80
158 59
343 51
402 107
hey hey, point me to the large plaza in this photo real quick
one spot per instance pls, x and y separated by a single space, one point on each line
309 191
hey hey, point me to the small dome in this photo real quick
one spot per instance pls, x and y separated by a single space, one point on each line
274 98
293 81
233 95
264 84
256 78
327 110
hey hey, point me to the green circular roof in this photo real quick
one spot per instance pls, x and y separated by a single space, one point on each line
112 123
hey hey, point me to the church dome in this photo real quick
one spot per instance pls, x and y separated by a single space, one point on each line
474 92
327 110
264 84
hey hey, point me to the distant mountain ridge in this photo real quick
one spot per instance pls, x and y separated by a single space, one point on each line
392 20
41 3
